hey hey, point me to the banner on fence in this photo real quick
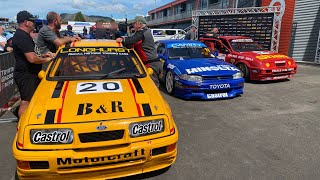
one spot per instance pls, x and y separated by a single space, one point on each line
8 88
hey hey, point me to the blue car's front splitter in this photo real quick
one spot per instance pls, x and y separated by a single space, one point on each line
219 89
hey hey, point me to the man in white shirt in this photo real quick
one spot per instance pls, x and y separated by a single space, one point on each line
3 40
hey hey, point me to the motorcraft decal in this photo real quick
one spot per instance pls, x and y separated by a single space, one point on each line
96 160
212 68
98 87
88 108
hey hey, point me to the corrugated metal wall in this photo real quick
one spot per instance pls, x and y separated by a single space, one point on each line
305 33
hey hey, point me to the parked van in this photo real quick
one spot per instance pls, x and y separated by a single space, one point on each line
161 34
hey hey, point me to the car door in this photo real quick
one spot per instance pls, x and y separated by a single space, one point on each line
162 55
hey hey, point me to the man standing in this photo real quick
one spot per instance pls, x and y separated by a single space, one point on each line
213 33
2 40
191 34
149 55
28 64
49 38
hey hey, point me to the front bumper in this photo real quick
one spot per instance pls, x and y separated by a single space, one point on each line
272 74
100 163
208 90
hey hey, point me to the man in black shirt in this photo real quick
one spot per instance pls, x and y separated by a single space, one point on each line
149 55
28 63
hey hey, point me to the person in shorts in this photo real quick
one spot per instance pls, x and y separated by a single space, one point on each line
28 62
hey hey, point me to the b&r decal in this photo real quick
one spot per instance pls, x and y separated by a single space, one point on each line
87 108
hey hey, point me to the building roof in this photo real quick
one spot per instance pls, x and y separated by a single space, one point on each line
173 3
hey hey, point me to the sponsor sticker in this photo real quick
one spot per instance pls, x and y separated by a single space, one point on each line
264 57
51 136
217 95
146 128
138 153
242 40
219 86
98 87
212 68
184 45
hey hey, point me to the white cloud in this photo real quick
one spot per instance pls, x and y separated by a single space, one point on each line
82 4
113 8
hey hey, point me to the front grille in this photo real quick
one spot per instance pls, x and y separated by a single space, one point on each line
216 77
101 136
280 64
158 151
39 164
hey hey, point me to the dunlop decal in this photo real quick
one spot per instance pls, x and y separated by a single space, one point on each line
57 90
50 117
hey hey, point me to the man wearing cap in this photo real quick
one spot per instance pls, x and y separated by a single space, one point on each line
191 34
149 53
49 38
2 40
28 63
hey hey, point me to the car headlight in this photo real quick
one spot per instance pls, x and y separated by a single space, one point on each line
51 136
237 75
145 128
191 77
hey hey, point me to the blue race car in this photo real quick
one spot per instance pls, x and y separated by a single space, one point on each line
190 71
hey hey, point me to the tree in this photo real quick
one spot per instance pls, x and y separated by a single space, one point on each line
79 17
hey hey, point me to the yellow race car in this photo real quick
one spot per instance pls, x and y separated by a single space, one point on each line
96 115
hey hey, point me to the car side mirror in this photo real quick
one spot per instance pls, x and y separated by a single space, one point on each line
150 71
41 74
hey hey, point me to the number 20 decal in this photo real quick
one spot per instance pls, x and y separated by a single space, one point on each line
98 87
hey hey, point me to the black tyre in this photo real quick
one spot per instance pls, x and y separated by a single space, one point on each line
245 71
169 83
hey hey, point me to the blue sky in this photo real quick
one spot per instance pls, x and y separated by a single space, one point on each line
115 8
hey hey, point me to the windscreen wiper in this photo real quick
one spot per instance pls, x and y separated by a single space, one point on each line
122 70
113 72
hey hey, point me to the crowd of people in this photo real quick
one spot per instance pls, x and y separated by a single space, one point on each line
33 53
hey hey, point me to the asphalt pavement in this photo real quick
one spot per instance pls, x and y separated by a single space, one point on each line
270 132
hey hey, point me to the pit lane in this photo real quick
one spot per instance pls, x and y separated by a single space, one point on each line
270 132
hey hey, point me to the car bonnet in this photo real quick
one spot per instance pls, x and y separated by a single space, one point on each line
94 100
203 66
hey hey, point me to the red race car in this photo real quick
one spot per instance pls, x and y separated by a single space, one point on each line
255 62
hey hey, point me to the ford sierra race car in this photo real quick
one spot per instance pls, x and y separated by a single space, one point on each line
190 71
255 62
96 115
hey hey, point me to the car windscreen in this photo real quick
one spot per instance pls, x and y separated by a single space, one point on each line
244 45
187 52
95 63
